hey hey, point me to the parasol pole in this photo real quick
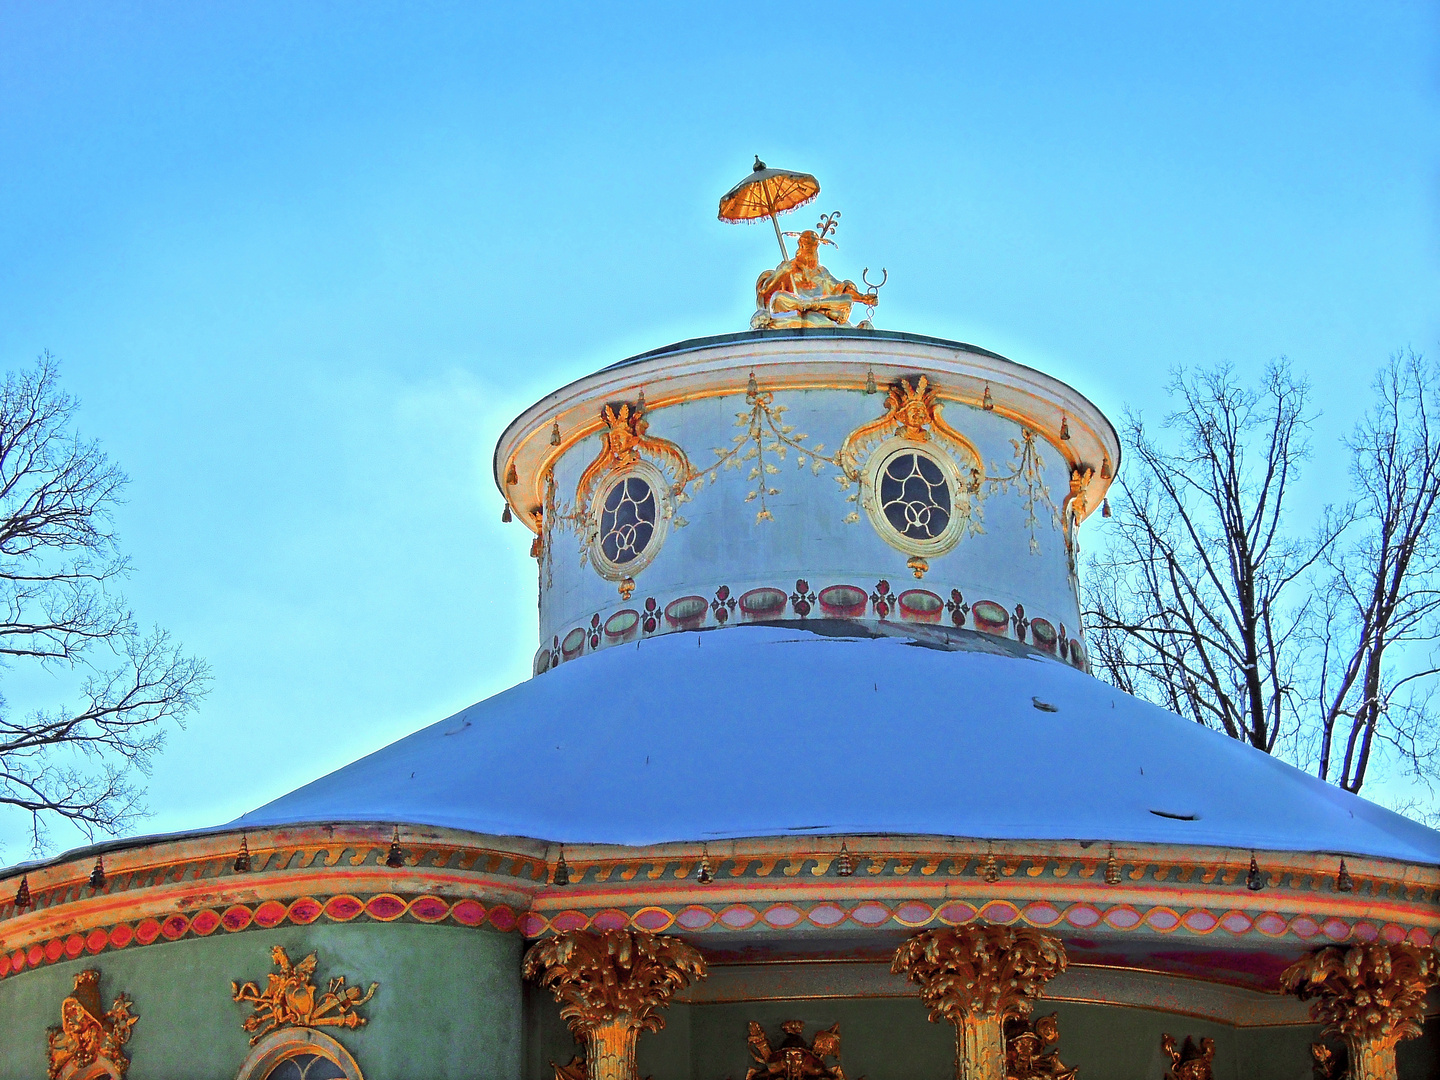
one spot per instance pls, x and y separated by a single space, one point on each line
774 220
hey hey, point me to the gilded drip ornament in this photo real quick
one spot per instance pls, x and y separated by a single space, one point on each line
291 999
88 1032
1370 996
978 977
611 987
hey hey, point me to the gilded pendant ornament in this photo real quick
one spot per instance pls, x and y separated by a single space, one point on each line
291 999
1029 1050
88 1032
1371 996
1190 1060
977 977
611 987
794 1058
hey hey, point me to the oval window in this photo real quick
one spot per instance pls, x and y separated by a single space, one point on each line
629 520
915 499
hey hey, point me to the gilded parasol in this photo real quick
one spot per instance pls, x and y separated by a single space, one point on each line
767 193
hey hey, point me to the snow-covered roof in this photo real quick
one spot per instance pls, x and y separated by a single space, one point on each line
767 731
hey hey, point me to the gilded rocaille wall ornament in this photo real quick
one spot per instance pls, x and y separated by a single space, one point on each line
794 1058
611 987
1029 1050
977 977
291 999
1190 1060
88 1032
1371 996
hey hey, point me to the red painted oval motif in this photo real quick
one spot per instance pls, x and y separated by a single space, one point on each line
1199 921
1421 937
695 918
1237 922
610 919
175 926
343 908
738 917
385 906
1082 915
531 924
204 923
826 915
914 913
1272 924
955 913
17 960
35 955
305 910
1304 927
1122 917
75 945
1365 931
95 941
568 920
236 918
653 919
270 913
55 948
1336 929
120 935
782 916
468 913
429 908
870 913
502 917
1041 914
1393 934
1162 919
1000 911
147 930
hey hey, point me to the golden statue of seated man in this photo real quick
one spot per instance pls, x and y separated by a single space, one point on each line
801 292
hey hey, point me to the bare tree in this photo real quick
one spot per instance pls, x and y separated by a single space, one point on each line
1379 602
60 564
1211 600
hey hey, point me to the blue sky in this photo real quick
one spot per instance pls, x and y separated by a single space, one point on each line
303 262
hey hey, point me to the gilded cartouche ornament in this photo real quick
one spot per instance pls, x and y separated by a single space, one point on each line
291 999
794 1058
89 1033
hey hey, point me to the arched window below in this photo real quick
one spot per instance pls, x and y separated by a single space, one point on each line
299 1054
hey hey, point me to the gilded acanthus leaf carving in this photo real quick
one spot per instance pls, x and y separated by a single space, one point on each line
89 1033
611 987
291 999
1372 996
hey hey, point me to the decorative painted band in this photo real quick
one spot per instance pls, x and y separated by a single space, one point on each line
766 603
697 919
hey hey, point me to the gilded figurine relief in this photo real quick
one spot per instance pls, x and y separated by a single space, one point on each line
794 1058
88 1032
1029 1050
1190 1060
291 999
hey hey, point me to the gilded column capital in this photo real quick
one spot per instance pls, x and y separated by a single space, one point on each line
1371 996
611 987
976 977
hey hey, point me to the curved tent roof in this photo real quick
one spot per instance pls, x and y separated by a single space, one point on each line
768 731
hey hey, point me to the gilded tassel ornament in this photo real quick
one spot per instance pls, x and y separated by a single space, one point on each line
562 872
987 402
640 402
705 876
396 859
1112 868
1254 880
752 387
870 381
97 875
844 864
1343 881
988 870
505 516
511 476
1105 508
555 433
242 859
1064 429
22 894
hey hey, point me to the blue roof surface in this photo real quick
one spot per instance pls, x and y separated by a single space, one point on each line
765 731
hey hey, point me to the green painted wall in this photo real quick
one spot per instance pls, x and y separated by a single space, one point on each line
448 1006
891 1039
